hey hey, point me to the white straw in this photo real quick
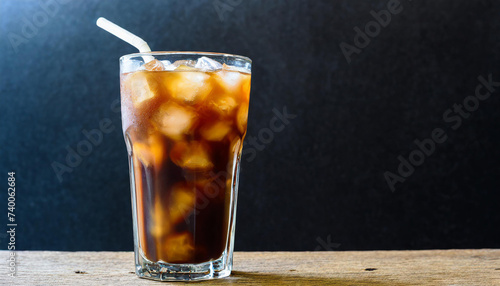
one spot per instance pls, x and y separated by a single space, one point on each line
125 35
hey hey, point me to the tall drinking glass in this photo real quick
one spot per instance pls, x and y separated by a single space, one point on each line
184 117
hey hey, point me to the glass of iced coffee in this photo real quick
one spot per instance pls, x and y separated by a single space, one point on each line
184 117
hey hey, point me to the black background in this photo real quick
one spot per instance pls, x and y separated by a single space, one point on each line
319 185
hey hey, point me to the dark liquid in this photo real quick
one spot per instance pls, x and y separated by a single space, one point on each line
201 233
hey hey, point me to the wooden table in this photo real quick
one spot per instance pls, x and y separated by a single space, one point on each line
430 267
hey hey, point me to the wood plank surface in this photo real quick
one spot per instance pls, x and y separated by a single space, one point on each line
428 267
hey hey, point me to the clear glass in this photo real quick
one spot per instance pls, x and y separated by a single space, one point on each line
184 117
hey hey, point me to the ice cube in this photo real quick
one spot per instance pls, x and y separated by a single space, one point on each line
193 155
207 64
237 69
223 104
150 153
160 224
181 65
174 120
230 81
215 131
188 87
141 151
154 65
178 248
242 117
245 88
165 63
141 87
182 202
234 83
166 213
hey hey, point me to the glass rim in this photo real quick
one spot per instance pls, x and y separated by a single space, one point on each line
164 53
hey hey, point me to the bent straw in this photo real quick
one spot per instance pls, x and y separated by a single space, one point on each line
125 35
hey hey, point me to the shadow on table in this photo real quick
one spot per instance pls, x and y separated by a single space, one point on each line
253 278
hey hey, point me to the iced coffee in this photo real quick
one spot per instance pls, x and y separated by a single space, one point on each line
184 119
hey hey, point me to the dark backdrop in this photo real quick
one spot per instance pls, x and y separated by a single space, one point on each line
319 184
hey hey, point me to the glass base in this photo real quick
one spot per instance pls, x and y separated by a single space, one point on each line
162 271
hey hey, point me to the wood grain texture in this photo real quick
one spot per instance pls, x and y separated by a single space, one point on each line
429 267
